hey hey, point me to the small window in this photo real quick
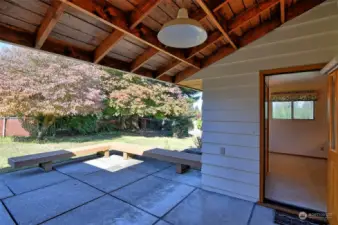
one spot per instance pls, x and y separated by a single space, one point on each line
303 110
297 110
281 110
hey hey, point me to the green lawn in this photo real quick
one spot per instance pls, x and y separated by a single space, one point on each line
11 147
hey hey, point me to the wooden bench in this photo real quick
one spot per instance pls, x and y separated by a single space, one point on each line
182 160
45 160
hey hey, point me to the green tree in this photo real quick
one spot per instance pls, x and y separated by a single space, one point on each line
131 97
45 86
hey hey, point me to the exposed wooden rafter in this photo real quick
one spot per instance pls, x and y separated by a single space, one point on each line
199 15
219 5
253 12
52 17
219 54
234 24
282 11
115 18
136 18
76 35
162 71
142 59
139 14
185 74
214 37
213 19
104 48
295 10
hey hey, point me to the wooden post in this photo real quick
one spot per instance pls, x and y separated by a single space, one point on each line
4 127
126 156
106 154
46 166
181 168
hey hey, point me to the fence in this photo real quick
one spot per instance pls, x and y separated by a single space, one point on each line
11 126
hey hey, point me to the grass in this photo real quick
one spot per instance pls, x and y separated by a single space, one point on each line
12 147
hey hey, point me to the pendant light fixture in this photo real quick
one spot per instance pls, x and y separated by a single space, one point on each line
182 32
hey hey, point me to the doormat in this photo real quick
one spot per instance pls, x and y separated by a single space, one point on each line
283 218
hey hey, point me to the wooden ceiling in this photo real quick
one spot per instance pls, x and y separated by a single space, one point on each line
122 34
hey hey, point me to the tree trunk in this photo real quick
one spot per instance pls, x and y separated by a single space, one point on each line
122 124
44 122
134 122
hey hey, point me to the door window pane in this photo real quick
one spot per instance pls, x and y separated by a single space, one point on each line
303 110
281 110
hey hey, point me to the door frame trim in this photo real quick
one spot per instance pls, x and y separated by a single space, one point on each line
262 138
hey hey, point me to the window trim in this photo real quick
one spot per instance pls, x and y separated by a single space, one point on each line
292 111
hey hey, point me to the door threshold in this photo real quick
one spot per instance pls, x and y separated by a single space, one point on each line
314 215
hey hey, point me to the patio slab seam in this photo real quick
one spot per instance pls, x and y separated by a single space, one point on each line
251 214
162 217
9 212
109 193
71 209
166 178
13 194
147 175
59 182
105 193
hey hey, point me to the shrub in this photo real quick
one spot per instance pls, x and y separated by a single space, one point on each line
82 124
181 126
30 125
198 142
199 124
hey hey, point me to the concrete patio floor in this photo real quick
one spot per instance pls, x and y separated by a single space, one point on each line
116 191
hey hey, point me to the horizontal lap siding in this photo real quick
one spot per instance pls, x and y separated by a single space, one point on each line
231 97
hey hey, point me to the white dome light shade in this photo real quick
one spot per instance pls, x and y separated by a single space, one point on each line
182 32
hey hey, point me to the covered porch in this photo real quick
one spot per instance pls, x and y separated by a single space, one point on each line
123 35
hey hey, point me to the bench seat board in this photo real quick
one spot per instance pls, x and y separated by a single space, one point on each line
34 159
176 157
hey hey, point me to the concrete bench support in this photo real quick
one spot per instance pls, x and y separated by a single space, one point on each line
104 154
46 166
126 156
181 168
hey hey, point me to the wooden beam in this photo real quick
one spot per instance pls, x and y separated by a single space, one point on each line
282 11
139 14
214 37
200 15
219 5
21 37
215 22
53 15
25 38
185 74
142 59
301 7
253 12
219 54
167 78
295 10
104 48
213 5
259 32
162 71
136 17
106 13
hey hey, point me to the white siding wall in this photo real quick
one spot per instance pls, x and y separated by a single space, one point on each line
231 97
